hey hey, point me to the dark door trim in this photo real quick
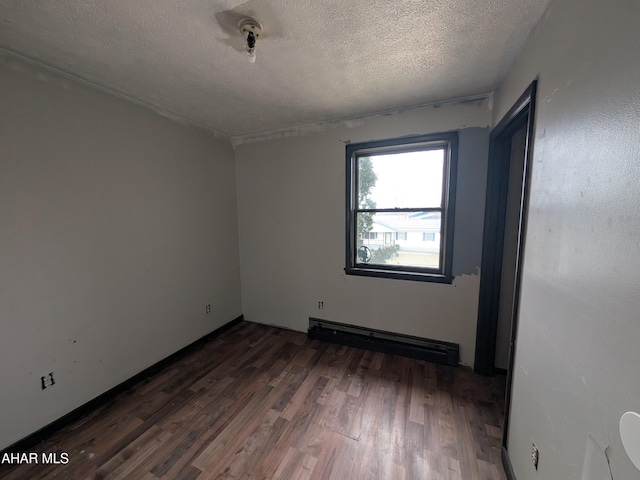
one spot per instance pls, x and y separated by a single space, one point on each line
520 115
528 102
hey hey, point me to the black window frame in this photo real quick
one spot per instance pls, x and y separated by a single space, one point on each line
435 141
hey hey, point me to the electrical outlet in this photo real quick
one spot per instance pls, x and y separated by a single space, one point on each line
320 305
47 381
535 455
207 308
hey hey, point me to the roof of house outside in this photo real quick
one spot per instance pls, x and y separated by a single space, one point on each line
406 223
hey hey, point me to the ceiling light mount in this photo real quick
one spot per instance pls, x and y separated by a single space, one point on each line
251 31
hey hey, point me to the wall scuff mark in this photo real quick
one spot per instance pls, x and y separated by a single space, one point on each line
596 461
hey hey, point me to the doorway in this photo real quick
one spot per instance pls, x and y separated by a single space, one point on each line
503 241
510 250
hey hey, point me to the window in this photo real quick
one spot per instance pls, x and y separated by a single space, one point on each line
404 189
428 237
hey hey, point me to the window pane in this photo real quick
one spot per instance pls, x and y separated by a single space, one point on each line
417 243
401 180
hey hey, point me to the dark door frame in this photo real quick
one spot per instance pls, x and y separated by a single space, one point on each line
519 116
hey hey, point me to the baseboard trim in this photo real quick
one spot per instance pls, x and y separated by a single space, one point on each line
47 431
506 464
499 371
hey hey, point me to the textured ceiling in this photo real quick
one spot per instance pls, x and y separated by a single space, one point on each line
317 60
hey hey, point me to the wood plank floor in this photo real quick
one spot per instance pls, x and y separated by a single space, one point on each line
264 403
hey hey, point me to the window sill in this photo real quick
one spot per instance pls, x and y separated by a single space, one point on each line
399 275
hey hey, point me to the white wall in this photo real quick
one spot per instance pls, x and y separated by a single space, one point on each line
577 360
291 208
118 227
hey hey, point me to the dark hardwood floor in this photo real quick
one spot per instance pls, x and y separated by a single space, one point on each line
264 403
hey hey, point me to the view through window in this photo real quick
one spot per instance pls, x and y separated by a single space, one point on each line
400 207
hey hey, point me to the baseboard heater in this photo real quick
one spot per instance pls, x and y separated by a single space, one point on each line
433 351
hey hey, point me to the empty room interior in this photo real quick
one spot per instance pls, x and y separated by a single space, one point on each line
310 240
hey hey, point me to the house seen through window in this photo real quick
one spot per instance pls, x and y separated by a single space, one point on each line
400 206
